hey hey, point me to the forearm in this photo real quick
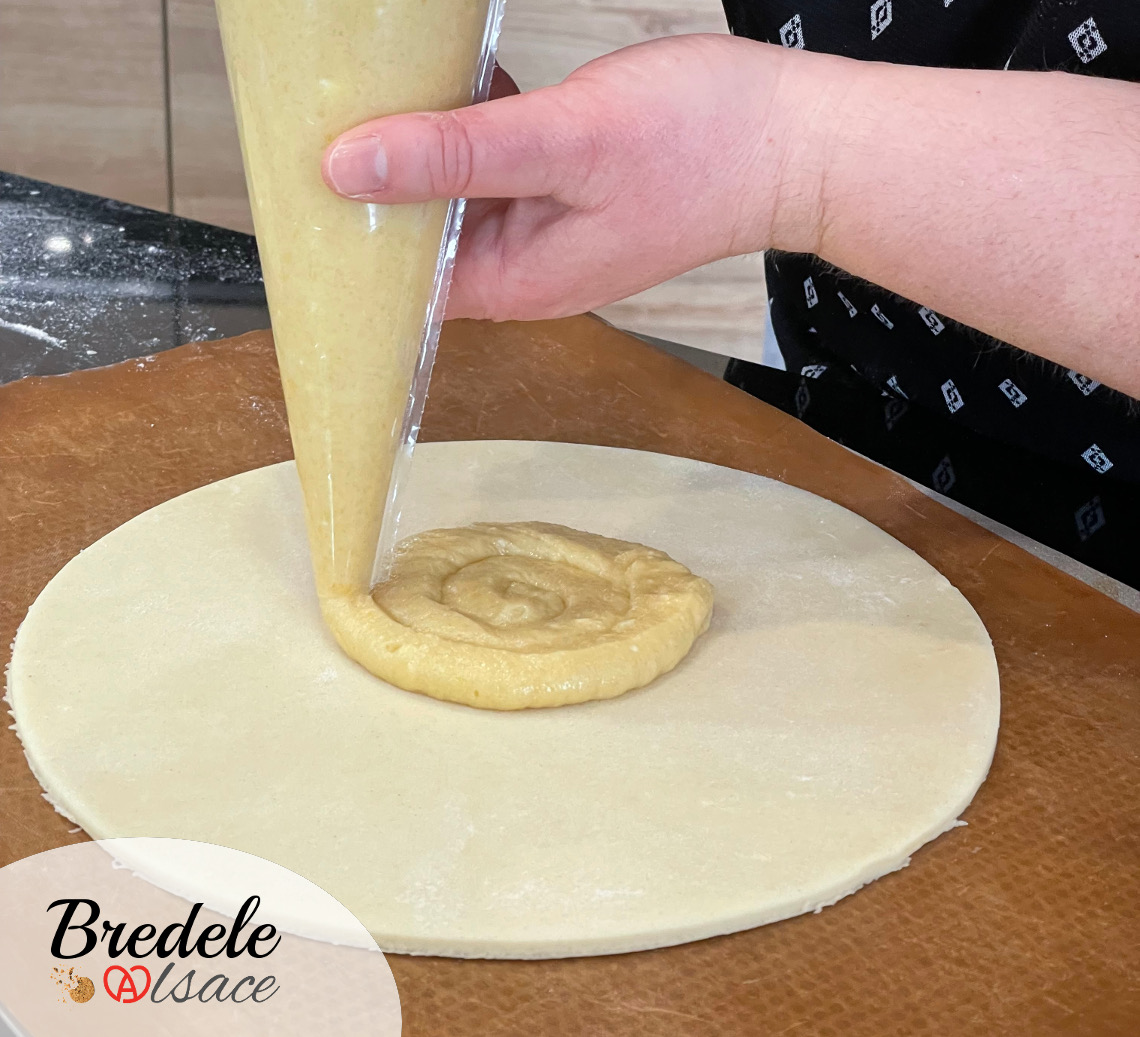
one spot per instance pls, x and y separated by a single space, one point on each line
1009 201
1006 200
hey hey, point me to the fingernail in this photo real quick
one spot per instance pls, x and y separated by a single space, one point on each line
358 167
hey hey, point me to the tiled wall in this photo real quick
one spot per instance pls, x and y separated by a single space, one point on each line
128 98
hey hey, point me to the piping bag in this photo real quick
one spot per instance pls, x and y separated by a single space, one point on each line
356 291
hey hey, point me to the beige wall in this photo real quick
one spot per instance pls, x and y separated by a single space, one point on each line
81 95
83 102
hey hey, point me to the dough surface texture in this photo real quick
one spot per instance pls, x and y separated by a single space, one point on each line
522 614
176 679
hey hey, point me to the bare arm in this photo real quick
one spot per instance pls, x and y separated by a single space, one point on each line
1006 200
1009 201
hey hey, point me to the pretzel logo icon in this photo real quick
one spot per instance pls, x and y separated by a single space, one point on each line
123 987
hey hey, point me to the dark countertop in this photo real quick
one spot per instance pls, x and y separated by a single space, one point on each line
86 281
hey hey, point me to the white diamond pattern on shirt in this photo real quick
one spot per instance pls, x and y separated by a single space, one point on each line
943 477
890 324
810 293
1096 459
1083 382
1089 518
893 411
893 382
802 400
848 303
813 370
952 396
931 320
792 33
881 14
1087 41
1012 392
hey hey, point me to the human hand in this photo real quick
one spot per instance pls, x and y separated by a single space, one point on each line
640 165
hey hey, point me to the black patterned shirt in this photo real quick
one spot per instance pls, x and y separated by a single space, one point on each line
971 388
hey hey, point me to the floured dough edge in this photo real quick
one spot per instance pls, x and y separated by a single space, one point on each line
660 938
389 944
15 726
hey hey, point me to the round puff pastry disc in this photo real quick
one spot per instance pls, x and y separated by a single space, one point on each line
176 679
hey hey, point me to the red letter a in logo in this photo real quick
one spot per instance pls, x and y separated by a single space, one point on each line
125 991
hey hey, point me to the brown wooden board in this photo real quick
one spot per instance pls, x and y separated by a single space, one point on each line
1026 922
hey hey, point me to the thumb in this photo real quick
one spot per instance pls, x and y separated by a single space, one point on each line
512 147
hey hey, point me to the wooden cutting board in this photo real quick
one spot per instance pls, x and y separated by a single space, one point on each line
1026 922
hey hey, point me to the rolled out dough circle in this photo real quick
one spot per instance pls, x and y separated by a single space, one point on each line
175 680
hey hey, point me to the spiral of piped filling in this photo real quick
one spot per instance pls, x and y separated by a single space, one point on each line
512 615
